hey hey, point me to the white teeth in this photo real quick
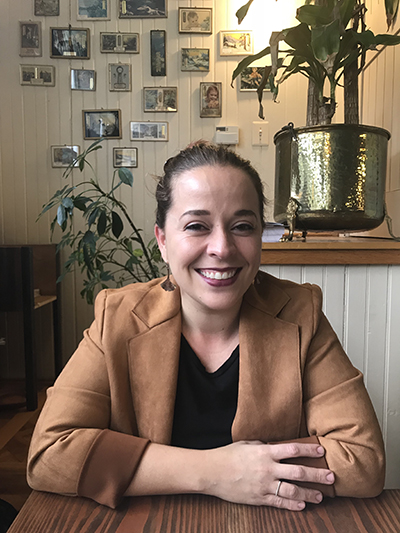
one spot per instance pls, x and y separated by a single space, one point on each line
218 275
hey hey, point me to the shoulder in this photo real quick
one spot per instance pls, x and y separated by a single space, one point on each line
127 296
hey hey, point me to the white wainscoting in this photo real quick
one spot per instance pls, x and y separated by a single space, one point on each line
362 303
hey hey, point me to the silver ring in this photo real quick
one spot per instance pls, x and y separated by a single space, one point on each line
278 487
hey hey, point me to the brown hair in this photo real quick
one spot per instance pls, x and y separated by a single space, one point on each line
201 154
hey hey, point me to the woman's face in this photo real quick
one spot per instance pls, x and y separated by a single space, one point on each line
212 237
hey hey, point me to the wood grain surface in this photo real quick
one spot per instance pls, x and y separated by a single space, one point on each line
50 513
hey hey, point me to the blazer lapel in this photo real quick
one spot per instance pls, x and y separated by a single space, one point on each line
154 363
270 394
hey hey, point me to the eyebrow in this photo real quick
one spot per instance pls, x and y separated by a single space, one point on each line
204 212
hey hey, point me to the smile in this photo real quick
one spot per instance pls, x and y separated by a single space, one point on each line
215 274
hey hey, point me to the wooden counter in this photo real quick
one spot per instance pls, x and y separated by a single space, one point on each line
332 251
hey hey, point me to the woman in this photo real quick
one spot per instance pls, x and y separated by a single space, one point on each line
157 399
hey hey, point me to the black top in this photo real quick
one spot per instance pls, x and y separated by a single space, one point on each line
206 402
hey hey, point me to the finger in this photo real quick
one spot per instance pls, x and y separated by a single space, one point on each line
283 503
295 449
291 491
304 473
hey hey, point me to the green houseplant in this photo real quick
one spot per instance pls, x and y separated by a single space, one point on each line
328 176
105 253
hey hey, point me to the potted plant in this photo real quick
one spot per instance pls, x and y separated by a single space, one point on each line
104 252
328 176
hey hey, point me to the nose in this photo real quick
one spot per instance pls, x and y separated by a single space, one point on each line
220 243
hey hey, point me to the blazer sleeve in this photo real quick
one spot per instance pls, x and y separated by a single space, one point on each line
339 412
73 451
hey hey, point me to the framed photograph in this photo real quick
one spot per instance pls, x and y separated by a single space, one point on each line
43 75
235 43
30 39
93 10
149 131
125 157
164 99
47 8
119 43
83 80
158 52
131 9
119 76
64 156
70 43
250 78
98 124
195 20
210 99
195 60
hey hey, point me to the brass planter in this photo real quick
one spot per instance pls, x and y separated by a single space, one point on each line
331 177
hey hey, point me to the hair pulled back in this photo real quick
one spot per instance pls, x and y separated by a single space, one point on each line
196 155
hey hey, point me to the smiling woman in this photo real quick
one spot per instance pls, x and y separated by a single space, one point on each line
221 380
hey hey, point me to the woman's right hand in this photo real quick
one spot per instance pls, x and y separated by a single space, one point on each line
249 472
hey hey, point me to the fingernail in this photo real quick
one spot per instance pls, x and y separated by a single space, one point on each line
301 505
330 477
320 450
318 497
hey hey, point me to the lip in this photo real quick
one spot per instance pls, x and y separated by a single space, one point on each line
219 282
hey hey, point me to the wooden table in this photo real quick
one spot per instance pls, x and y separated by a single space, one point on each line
50 513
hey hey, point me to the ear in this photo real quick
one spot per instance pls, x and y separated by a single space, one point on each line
161 241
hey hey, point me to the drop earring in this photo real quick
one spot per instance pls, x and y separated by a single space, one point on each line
167 285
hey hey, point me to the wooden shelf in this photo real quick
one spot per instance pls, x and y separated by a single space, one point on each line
332 251
40 301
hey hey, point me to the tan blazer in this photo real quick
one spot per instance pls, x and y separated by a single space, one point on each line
117 392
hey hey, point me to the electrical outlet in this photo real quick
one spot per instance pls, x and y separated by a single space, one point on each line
260 134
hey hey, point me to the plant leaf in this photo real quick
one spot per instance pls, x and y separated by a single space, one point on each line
116 224
126 176
68 203
242 11
247 61
313 15
102 223
93 215
61 215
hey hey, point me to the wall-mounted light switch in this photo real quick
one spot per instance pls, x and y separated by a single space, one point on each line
260 134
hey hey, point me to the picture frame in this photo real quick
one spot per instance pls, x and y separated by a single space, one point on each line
119 43
99 124
30 39
195 20
119 77
250 78
70 43
83 79
158 55
210 99
195 59
93 10
125 157
131 9
47 8
160 99
235 43
63 156
148 131
42 75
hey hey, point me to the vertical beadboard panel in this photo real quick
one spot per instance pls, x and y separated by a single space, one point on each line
355 312
334 297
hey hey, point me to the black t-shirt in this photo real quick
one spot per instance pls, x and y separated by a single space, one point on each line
206 402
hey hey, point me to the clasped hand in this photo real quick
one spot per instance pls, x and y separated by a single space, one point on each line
249 472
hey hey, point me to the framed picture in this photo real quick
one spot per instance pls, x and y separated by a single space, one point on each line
119 43
195 60
47 8
125 157
210 99
93 10
195 20
250 78
119 76
129 9
98 124
70 43
235 43
149 131
64 156
83 80
30 39
164 99
37 75
158 52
